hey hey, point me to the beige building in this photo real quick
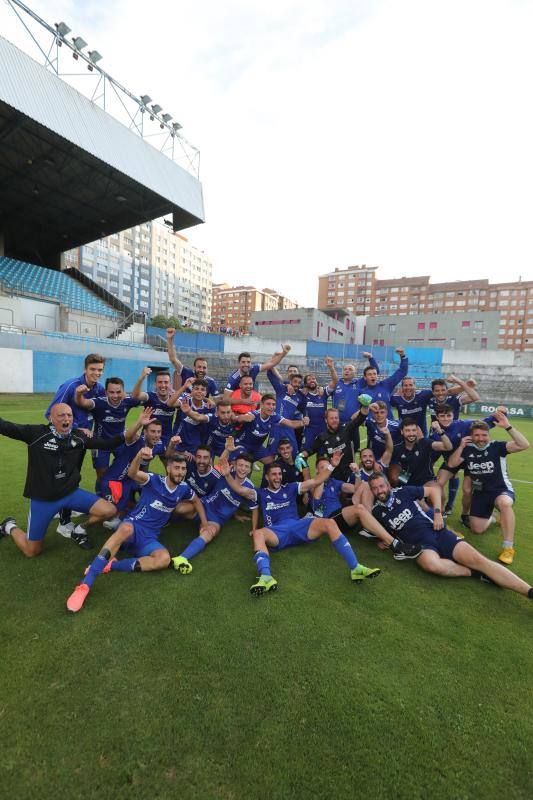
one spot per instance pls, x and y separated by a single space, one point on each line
359 290
233 306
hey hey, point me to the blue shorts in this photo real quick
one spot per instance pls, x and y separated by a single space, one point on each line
101 459
483 503
143 540
309 435
280 432
257 454
212 516
291 532
442 542
119 492
43 511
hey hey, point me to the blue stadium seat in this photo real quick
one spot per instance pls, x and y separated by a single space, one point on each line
23 277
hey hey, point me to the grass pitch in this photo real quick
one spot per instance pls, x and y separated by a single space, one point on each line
165 686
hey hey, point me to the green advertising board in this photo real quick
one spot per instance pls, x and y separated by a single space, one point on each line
488 407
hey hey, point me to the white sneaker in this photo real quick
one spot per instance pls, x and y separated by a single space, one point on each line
66 530
112 524
366 534
72 514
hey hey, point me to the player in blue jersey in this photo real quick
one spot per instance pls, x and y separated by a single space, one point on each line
158 400
444 553
316 402
459 394
109 415
283 526
199 367
219 424
191 432
202 477
326 500
139 532
382 390
116 486
412 402
454 429
220 506
257 425
486 462
413 457
246 367
289 404
377 425
346 394
93 369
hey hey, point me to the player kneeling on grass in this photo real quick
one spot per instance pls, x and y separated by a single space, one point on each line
283 526
139 532
444 553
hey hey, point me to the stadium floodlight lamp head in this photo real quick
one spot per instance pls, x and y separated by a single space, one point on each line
62 28
177 127
167 118
156 108
79 42
145 99
95 56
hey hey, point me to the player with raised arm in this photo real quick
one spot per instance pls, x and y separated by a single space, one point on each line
246 367
377 425
109 413
346 394
191 432
486 462
412 402
289 404
370 384
199 367
55 456
220 506
444 553
158 400
257 425
325 501
458 395
337 437
316 402
202 476
219 424
283 526
139 531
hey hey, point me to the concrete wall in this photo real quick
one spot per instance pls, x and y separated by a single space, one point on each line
85 324
489 358
16 374
304 324
24 313
253 344
449 331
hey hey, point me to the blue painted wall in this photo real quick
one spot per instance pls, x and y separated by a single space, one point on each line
51 369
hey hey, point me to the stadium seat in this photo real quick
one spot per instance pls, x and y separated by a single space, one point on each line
23 278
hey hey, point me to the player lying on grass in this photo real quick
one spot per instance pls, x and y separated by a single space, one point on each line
139 531
220 506
326 502
283 526
486 462
55 456
444 553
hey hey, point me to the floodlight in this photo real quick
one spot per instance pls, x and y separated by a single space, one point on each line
145 99
79 43
167 117
156 109
95 56
62 28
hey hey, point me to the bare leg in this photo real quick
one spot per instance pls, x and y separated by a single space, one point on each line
371 524
464 553
504 504
159 559
430 561
29 547
480 524
466 499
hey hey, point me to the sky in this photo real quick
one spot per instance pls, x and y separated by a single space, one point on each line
332 133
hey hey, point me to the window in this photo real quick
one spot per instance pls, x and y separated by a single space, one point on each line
392 327
465 323
432 326
478 325
421 326
381 328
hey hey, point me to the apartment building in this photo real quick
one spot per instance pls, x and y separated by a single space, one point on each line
360 291
233 306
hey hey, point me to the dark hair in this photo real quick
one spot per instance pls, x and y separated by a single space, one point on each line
268 396
269 467
245 377
292 366
200 382
406 421
438 382
154 422
479 426
296 375
367 369
375 475
162 372
243 355
381 404
117 381
245 457
308 376
176 459
284 441
443 409
322 458
408 378
199 358
93 358
223 402
204 447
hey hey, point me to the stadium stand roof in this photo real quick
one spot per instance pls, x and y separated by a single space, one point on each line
70 173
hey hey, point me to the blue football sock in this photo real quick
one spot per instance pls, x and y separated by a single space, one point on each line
262 561
344 548
453 488
95 569
195 547
124 565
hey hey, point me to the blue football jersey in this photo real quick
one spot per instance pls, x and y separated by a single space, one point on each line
383 389
125 454
157 501
192 433
66 393
401 515
253 434
488 466
280 505
235 378
223 502
329 501
376 439
109 419
288 405
452 400
416 463
187 372
315 408
345 399
415 408
218 433
162 412
202 484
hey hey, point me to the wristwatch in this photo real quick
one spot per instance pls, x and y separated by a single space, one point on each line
437 511
509 427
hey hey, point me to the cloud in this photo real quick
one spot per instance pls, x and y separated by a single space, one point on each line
335 133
